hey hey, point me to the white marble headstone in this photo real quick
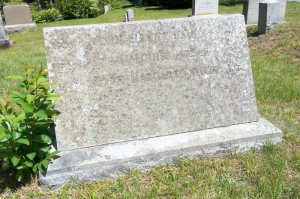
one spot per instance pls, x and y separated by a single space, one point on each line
205 7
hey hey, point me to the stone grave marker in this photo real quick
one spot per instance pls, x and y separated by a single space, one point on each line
106 8
141 94
130 15
251 11
268 15
18 18
205 7
4 42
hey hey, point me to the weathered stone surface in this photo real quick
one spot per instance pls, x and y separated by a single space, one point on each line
268 15
93 163
141 94
17 14
130 81
204 7
20 27
251 11
130 15
106 8
4 42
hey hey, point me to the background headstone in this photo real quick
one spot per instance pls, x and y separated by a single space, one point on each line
125 17
251 10
268 15
204 7
4 42
130 15
143 93
106 8
18 18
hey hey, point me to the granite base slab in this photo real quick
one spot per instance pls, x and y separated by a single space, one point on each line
4 43
20 27
112 160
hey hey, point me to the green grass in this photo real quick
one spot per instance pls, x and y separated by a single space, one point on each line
273 172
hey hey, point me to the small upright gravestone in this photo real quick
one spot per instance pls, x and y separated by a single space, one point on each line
106 8
251 11
4 42
205 7
18 18
129 16
268 15
145 93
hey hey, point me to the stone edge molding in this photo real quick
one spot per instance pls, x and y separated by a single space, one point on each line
20 27
112 160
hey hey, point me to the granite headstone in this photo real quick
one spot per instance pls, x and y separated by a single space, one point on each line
4 42
144 93
251 11
268 15
204 7
130 15
18 18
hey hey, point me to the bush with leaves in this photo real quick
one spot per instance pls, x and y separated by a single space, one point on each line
48 15
78 8
25 124
114 4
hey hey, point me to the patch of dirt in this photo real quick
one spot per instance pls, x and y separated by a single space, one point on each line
281 41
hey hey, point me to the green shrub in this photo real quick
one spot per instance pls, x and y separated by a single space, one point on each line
48 15
114 4
14 2
170 3
25 123
78 9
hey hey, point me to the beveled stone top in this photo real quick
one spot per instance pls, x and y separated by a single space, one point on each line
127 81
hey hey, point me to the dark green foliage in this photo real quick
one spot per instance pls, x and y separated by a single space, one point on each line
25 121
78 8
114 4
169 3
48 15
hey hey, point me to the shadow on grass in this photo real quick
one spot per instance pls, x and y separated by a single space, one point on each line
127 6
8 179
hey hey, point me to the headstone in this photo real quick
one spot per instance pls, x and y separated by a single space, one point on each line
18 18
125 17
106 8
268 15
130 15
205 7
251 11
144 93
4 42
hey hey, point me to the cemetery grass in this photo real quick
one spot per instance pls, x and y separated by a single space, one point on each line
273 172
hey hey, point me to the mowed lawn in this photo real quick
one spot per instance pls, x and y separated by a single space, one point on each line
273 172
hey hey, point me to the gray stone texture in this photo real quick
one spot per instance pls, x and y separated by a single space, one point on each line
130 15
94 163
4 42
20 28
268 15
106 8
140 94
17 14
204 7
251 11
125 17
135 80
